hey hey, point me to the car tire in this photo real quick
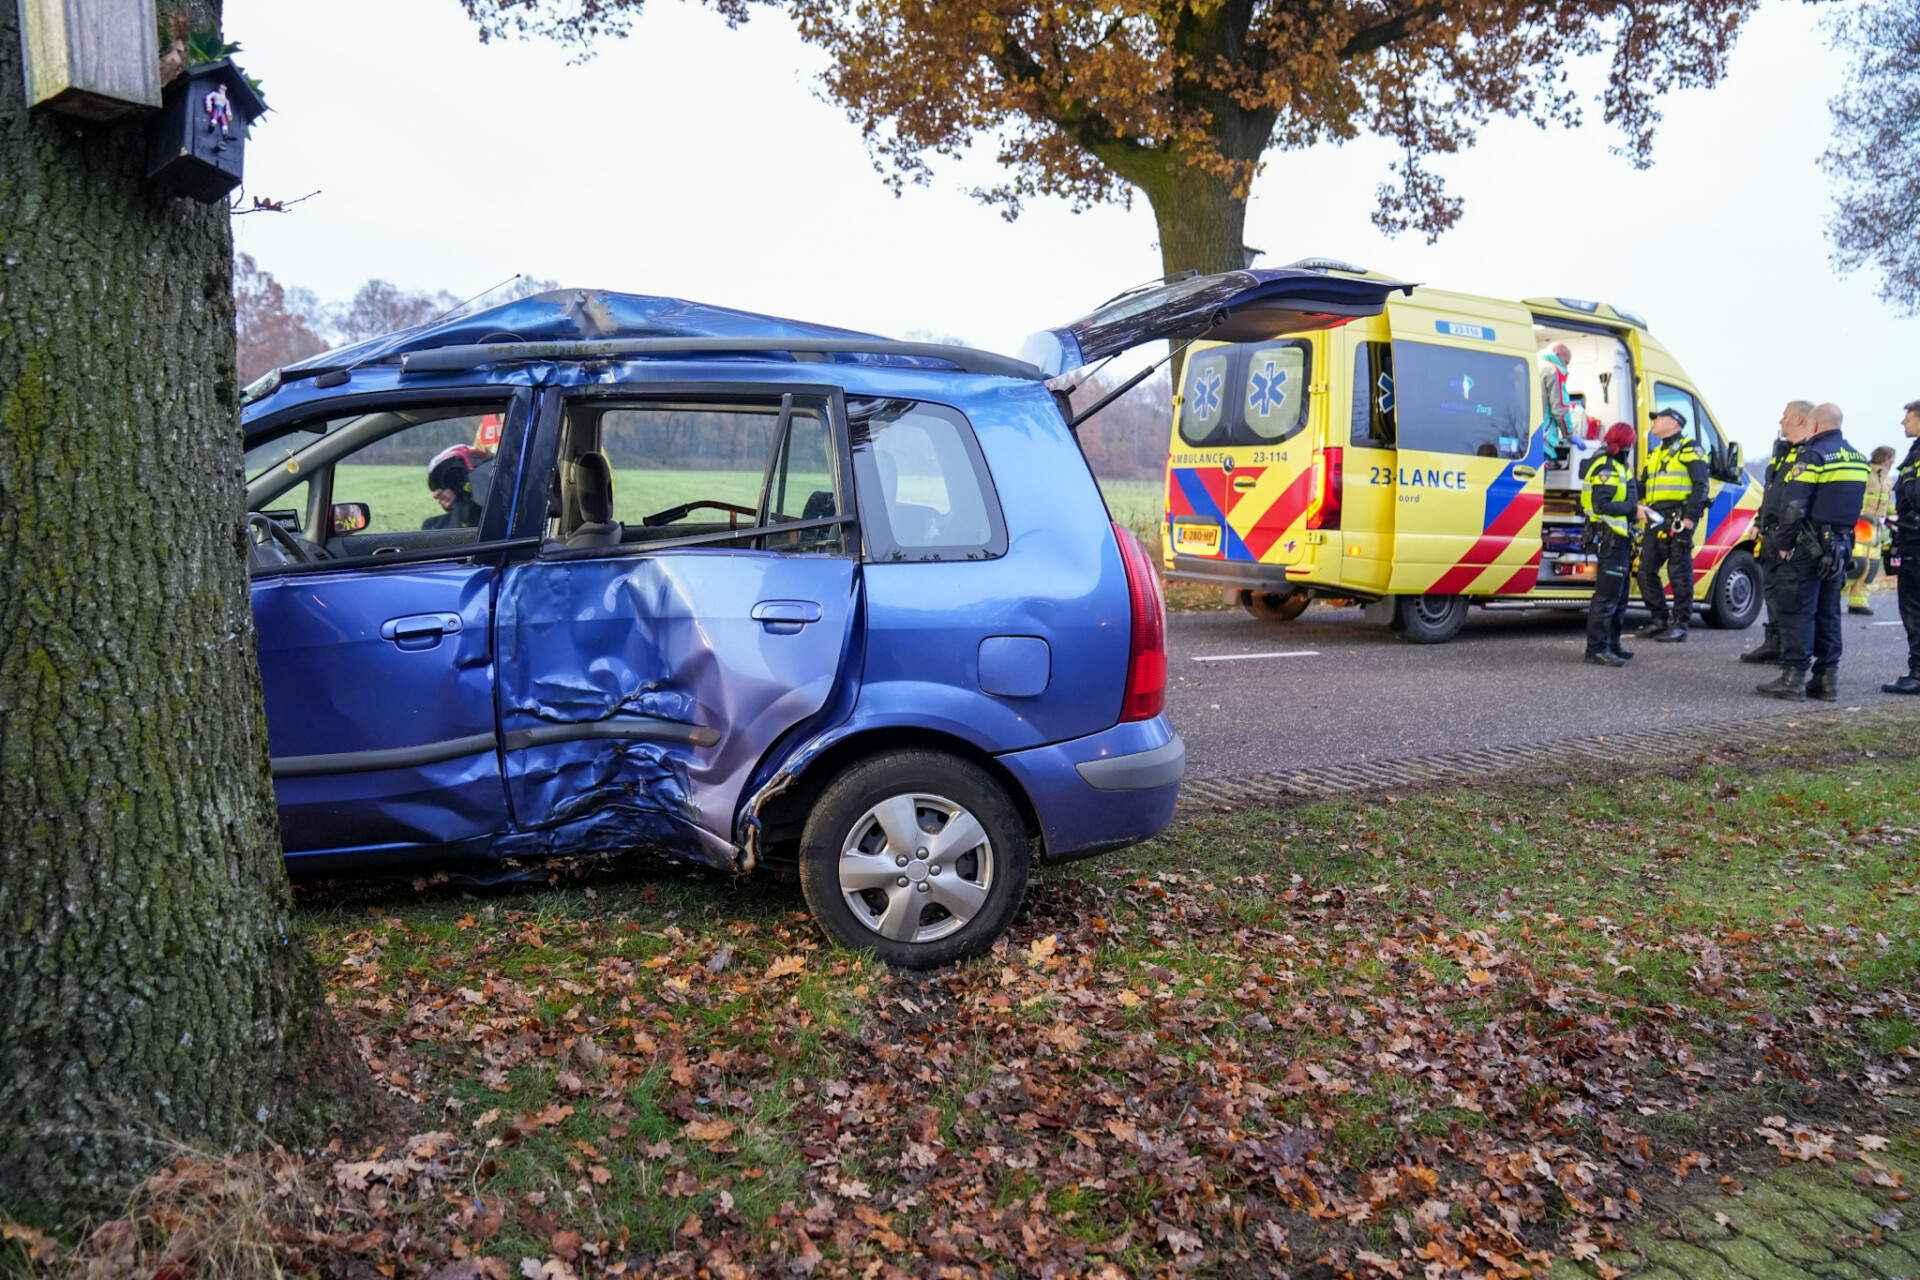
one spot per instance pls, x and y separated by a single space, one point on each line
1734 600
859 824
1275 606
1431 619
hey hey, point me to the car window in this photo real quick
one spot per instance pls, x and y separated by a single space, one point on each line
805 484
1372 420
687 465
433 475
1455 400
1249 394
925 493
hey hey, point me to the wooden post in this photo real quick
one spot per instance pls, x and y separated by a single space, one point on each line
96 59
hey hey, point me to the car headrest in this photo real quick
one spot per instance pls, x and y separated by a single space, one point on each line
593 484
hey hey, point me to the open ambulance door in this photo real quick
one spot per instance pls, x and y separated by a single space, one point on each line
1467 472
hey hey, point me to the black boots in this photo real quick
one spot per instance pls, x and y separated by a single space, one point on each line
1909 683
1676 634
1769 650
1621 651
1605 658
1654 628
1790 686
1825 685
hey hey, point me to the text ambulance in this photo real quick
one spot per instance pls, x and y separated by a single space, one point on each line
1401 462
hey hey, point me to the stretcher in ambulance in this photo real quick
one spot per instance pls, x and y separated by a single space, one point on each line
1406 462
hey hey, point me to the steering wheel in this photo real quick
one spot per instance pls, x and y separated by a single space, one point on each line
734 512
270 546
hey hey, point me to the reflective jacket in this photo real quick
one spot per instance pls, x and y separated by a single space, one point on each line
1906 499
1771 502
1879 499
1610 496
1823 489
1677 474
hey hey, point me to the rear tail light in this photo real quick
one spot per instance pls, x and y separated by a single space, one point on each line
1323 494
1146 693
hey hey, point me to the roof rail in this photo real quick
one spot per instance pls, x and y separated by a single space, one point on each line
461 358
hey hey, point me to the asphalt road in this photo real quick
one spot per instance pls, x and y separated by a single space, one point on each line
1349 691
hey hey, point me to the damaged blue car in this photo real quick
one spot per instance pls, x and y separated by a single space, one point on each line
597 572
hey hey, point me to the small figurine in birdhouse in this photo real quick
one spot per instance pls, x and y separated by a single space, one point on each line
196 144
219 111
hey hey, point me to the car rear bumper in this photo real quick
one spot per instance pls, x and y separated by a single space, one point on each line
1102 792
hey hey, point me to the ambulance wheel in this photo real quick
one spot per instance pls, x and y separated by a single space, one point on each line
1272 606
1429 619
916 856
1734 602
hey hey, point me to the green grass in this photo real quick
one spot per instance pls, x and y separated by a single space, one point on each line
1678 914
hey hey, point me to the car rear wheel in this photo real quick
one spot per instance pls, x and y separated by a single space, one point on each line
1429 619
1276 606
916 856
1733 602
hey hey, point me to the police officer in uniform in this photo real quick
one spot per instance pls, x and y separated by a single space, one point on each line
1610 498
1674 487
1793 430
1906 545
1821 495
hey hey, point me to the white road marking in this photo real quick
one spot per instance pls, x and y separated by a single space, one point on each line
1886 624
1236 657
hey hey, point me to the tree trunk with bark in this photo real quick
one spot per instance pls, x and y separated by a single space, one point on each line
149 980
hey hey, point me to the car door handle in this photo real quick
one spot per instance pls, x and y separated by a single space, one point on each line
786 617
419 630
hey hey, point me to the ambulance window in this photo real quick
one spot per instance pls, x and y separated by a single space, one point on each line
1707 436
1205 401
1669 397
1373 395
1457 400
1275 405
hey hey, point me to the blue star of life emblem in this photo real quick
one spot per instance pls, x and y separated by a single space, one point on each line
1465 384
1206 393
1267 394
1386 393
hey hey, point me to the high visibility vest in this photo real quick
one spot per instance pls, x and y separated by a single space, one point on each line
1608 481
1667 479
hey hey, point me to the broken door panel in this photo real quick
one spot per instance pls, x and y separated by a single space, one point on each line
636 694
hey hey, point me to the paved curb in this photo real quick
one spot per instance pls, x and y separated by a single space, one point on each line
1803 1221
1636 747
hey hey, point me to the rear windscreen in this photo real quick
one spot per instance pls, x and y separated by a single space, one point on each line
1250 394
1452 400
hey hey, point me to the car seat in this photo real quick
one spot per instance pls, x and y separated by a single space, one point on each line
593 497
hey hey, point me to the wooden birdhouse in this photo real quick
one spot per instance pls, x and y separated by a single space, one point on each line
196 145
96 59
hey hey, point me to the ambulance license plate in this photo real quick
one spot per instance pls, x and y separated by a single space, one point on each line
1196 539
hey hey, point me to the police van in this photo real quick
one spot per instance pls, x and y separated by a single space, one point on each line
1401 462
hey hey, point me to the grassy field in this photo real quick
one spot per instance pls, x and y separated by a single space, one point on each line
1459 1027
399 499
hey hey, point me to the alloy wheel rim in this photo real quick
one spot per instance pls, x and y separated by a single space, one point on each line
916 867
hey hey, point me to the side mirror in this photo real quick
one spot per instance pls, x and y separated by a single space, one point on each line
1736 460
349 517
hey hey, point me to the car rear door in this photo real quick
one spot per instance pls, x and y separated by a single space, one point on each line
1468 488
642 681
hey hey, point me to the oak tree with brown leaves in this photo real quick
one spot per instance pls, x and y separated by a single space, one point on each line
1182 101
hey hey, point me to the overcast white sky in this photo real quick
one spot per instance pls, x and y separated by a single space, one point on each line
699 162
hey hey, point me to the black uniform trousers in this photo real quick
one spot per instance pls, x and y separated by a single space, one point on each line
1612 589
1908 582
1772 577
1668 547
1810 624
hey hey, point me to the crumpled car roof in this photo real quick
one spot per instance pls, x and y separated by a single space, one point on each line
571 315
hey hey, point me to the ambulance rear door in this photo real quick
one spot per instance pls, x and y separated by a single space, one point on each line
1239 477
1467 472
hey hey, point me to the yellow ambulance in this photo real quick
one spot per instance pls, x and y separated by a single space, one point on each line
1400 462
